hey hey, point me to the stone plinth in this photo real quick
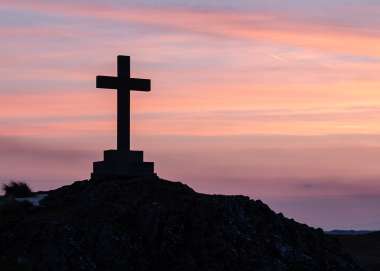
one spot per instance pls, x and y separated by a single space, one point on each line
122 164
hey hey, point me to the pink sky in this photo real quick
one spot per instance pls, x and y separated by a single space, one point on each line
281 104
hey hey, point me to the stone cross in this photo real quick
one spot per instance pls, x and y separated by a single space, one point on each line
124 84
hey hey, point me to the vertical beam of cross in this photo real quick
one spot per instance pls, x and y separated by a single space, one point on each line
123 105
124 84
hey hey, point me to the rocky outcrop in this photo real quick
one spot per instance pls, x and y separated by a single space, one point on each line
153 224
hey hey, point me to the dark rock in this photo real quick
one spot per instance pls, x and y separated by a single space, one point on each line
153 224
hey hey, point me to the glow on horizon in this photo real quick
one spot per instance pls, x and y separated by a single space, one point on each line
244 99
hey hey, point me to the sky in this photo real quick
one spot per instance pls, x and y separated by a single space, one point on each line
278 99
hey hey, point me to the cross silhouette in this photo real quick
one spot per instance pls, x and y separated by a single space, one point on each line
124 84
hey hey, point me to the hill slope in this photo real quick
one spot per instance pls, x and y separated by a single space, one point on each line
365 249
152 224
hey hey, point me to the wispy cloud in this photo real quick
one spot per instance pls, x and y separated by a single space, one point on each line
256 26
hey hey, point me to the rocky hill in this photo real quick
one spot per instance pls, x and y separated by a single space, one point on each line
153 224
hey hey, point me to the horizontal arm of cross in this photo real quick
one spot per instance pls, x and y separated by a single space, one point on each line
111 82
137 84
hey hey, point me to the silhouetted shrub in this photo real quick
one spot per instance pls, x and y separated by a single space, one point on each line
17 189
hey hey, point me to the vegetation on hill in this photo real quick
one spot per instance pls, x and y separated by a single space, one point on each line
17 190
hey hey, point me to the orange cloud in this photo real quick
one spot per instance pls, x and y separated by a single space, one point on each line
62 104
291 109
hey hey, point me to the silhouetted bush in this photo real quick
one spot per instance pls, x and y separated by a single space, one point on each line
17 189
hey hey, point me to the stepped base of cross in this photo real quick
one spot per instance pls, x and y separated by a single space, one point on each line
122 164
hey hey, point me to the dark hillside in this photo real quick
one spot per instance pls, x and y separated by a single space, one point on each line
364 248
153 224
